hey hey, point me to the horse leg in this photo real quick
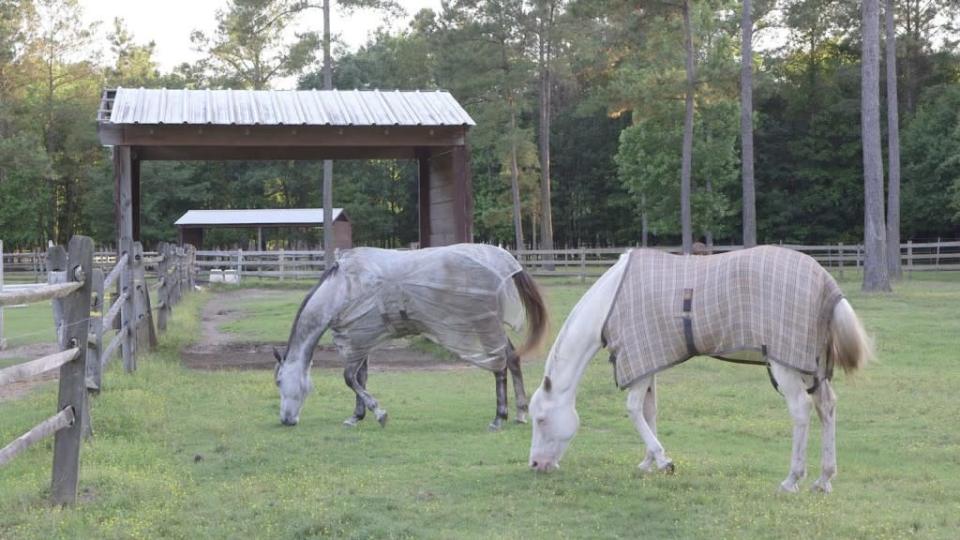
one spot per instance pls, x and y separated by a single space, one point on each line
513 364
794 391
826 403
636 400
650 415
501 383
360 410
352 376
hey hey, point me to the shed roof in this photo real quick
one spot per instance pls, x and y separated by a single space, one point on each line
282 108
247 218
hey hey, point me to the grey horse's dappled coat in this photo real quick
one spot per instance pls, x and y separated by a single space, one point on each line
458 296
764 304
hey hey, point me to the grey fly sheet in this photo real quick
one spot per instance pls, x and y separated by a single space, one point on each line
458 296
758 305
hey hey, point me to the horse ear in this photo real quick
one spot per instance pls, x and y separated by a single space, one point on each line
547 384
277 355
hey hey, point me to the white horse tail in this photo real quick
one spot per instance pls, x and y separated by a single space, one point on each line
536 310
849 346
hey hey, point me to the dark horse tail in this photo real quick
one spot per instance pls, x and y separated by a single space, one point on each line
537 320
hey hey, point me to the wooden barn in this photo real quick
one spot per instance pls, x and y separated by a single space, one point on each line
430 127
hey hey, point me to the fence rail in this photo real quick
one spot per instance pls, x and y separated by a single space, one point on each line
76 282
233 266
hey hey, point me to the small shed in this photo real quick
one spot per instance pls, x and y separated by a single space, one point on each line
192 225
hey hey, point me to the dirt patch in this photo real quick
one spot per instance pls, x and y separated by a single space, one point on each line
220 350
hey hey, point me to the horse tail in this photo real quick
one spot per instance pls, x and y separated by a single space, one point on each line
536 310
849 346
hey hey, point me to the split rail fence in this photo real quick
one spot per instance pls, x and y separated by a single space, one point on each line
83 319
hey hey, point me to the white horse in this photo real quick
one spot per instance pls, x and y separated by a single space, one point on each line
553 405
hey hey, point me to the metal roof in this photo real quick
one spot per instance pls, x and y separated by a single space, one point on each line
270 216
282 107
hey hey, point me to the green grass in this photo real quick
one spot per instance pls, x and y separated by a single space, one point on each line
183 454
29 324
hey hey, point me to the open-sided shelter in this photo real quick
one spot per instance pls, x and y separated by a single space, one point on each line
191 225
159 124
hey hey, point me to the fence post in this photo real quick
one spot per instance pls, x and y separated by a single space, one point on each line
937 260
840 258
56 263
282 265
909 259
163 300
583 265
239 265
95 341
192 266
73 388
128 316
3 340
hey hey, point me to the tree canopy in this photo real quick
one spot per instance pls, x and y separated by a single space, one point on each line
615 113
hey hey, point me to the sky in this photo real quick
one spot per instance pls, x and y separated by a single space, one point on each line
170 22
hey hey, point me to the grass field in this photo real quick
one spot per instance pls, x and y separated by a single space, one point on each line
183 454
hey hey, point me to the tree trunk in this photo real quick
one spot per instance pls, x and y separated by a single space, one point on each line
875 277
515 180
746 127
546 220
644 227
328 250
893 149
686 165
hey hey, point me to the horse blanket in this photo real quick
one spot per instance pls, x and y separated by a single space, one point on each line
758 305
458 296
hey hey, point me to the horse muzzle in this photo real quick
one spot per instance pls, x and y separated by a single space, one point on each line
289 421
544 465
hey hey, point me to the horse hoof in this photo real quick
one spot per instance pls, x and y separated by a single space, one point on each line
351 422
382 418
646 466
821 486
495 426
788 488
669 468
521 418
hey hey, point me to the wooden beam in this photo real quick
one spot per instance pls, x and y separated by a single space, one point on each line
48 427
37 294
280 136
461 229
73 386
135 196
26 370
268 153
423 185
123 164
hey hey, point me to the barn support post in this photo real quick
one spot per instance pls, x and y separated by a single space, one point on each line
462 213
135 193
73 390
122 166
423 184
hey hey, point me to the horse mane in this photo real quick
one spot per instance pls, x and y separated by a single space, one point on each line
296 320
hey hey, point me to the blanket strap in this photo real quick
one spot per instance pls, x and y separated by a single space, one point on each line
688 322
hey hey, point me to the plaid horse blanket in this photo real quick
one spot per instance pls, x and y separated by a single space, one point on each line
758 305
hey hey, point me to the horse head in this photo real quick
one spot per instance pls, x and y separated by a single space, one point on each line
294 385
555 422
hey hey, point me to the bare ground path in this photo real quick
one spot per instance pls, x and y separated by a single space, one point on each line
217 349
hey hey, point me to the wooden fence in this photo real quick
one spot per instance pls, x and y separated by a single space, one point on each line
233 266
82 318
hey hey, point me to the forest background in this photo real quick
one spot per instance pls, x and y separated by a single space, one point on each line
587 94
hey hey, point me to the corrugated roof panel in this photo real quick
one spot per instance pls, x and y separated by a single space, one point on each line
292 216
277 107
